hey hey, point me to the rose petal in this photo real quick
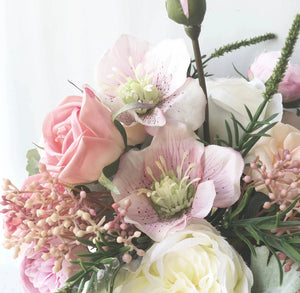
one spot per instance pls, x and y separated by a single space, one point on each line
82 168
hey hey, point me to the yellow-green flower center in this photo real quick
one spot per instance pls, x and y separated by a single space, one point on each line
139 90
172 194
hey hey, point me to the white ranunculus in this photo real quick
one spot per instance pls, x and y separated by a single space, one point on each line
196 259
229 95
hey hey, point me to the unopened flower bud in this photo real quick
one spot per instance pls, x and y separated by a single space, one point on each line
187 12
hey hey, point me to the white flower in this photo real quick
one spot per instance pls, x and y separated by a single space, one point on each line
229 95
196 259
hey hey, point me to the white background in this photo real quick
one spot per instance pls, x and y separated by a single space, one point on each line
43 43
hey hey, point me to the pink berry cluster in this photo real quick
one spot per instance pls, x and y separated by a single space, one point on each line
287 262
126 232
281 184
47 213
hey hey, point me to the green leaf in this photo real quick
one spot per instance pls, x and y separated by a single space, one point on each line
239 73
132 106
122 131
108 184
229 133
266 274
33 158
249 113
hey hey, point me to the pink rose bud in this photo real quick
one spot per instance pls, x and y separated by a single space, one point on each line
80 139
262 68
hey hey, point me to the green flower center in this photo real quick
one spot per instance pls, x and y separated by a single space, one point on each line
139 90
172 194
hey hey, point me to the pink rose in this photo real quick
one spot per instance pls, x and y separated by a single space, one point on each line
37 274
80 139
262 68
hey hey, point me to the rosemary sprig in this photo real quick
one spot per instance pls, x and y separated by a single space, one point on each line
246 141
245 137
237 45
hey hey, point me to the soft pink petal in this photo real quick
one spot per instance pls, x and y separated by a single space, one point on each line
224 167
131 174
145 218
115 104
118 57
186 105
171 142
81 167
167 62
93 114
154 118
185 7
55 117
203 200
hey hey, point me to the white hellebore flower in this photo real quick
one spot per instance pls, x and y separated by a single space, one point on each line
229 95
196 259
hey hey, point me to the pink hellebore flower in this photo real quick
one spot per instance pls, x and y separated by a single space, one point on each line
154 76
80 139
176 178
262 68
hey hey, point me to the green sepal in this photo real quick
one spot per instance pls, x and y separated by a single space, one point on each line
33 158
103 180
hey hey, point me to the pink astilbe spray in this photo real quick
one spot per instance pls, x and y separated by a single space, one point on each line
46 211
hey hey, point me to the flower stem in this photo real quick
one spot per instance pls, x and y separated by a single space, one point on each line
193 32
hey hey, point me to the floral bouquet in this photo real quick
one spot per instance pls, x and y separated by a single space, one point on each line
165 179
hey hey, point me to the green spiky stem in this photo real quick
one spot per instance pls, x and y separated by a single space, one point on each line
234 46
272 83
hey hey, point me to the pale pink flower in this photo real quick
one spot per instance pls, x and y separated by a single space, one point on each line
176 178
262 68
37 274
80 139
135 72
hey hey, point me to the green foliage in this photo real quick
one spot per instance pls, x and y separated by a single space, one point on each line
272 83
255 129
103 180
237 45
256 230
100 260
33 158
266 274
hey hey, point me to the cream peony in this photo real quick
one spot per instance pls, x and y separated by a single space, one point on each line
196 259
229 95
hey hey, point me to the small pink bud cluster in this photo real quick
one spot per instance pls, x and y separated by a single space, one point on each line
287 262
45 213
282 182
126 232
